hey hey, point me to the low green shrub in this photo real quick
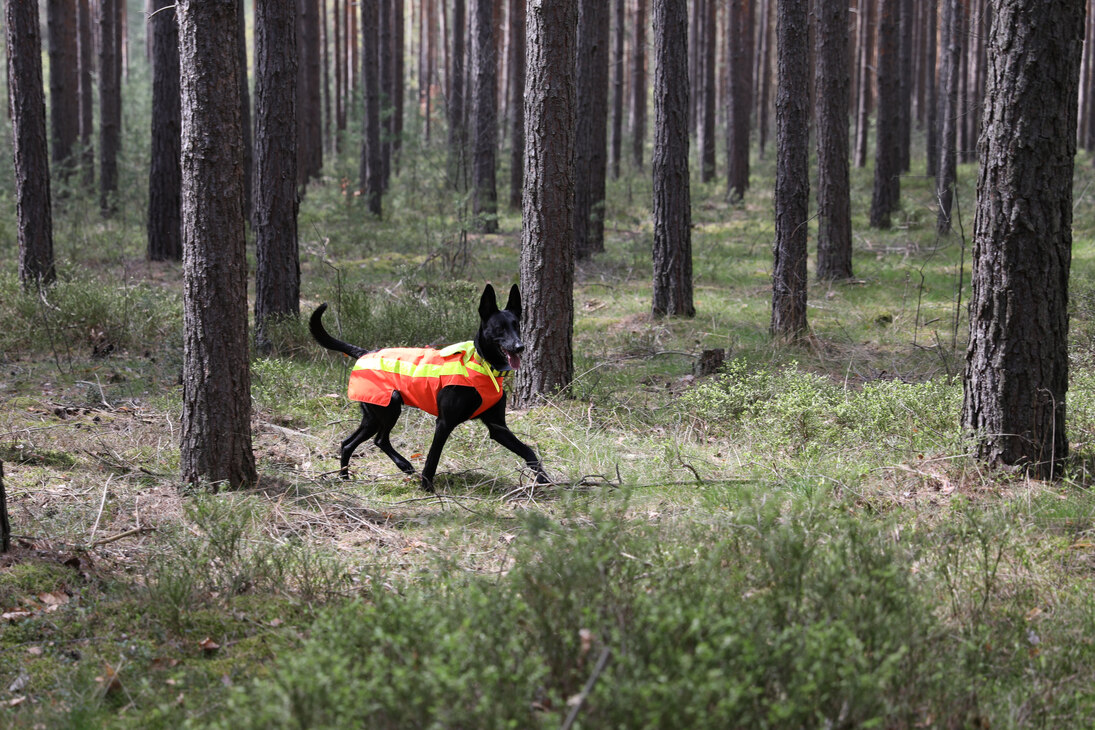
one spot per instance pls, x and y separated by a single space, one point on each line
789 410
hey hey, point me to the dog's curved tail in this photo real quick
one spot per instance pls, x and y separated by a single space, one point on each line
315 325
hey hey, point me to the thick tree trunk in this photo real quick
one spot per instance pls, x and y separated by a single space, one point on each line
485 197
887 162
547 250
165 173
216 420
672 197
309 120
1016 373
372 166
792 194
277 265
28 107
834 227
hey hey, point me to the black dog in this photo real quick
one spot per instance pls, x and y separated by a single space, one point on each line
455 384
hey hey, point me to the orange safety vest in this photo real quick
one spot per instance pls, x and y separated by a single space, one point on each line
419 374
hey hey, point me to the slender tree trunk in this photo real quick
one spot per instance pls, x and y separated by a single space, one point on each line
372 166
592 117
866 23
517 102
947 173
216 420
931 137
672 202
707 121
740 26
1016 375
165 173
245 112
33 209
638 86
792 194
109 107
485 197
63 83
384 39
86 92
764 75
277 269
457 136
616 146
547 247
887 164
906 89
834 228
398 81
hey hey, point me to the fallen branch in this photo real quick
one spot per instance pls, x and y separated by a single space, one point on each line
122 535
602 662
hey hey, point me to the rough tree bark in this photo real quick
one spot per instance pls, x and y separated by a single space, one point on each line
64 106
165 173
31 157
1016 374
834 227
517 103
216 420
887 161
792 194
592 113
947 159
372 166
739 98
672 204
547 250
485 194
637 112
277 261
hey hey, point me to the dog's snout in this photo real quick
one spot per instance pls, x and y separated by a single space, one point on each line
519 347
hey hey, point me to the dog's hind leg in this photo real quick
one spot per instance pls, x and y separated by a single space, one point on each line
387 419
369 426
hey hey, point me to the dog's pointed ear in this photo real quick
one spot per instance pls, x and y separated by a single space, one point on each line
488 304
514 303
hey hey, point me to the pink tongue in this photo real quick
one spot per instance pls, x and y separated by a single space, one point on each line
514 360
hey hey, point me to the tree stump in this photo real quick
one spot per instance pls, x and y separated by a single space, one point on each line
710 362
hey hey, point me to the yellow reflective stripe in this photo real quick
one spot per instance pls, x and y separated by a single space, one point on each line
411 369
488 371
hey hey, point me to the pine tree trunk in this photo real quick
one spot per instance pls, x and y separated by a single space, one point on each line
887 163
792 194
865 44
28 107
763 75
457 135
398 80
216 420
834 226
616 145
485 196
1016 374
245 112
86 93
947 160
384 39
109 107
707 119
277 260
63 83
165 173
372 167
672 197
931 104
739 98
517 102
547 250
592 113
637 120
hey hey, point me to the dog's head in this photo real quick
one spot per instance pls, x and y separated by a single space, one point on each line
498 340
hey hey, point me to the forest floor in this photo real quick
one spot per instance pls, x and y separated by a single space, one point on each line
799 540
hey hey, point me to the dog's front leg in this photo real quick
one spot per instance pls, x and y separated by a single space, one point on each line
495 421
455 404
